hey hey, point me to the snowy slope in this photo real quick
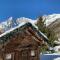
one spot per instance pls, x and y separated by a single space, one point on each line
51 18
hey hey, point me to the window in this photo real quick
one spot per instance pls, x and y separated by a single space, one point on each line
9 56
32 53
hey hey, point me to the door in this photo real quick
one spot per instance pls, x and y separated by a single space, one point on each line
25 55
22 55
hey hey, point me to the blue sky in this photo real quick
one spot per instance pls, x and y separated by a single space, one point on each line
27 8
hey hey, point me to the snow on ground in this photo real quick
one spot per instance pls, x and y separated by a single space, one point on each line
50 56
58 58
57 48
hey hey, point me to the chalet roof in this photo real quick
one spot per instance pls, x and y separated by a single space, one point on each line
12 29
23 24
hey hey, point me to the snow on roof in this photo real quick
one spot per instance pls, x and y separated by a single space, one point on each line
20 26
11 29
43 35
40 31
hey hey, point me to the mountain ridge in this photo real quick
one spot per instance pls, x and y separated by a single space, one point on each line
10 23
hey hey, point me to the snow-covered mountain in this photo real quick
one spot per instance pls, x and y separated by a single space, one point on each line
48 19
9 23
23 19
6 24
51 18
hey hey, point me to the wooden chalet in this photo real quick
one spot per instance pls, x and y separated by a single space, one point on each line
22 43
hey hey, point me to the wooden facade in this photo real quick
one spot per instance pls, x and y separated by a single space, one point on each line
22 43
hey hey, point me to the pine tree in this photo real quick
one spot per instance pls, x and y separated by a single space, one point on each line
48 32
41 25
